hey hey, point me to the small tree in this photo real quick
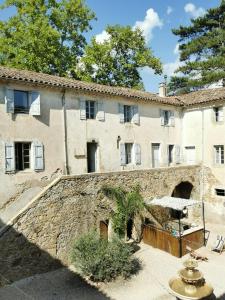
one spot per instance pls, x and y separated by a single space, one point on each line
101 260
128 205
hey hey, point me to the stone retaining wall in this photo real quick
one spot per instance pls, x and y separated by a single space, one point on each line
72 206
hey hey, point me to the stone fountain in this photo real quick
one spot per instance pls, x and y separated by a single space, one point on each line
191 284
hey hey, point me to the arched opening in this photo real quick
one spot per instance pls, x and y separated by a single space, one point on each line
183 190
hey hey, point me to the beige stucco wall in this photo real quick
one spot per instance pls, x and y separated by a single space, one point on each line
105 133
46 128
202 131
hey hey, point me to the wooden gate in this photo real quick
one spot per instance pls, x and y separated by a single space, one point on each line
104 230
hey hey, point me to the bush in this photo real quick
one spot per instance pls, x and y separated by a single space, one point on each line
101 260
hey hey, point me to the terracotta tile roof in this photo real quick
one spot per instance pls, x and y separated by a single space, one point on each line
203 96
68 83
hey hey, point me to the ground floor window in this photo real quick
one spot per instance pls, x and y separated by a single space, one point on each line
219 154
128 152
220 192
22 156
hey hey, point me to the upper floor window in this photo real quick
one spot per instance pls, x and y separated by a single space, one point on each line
91 109
18 101
21 102
218 111
129 113
167 117
219 154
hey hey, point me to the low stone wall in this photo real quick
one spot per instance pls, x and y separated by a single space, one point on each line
73 205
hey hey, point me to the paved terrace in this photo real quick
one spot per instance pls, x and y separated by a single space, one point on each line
151 283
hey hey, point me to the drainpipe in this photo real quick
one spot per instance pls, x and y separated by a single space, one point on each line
66 168
202 184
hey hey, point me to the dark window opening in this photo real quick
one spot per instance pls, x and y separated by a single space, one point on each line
220 192
128 152
21 101
90 109
166 117
170 153
127 113
22 155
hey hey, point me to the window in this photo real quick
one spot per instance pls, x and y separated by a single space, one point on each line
21 102
27 102
167 118
22 156
90 109
219 154
170 154
128 152
127 113
220 192
218 111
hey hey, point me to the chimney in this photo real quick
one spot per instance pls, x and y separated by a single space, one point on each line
162 89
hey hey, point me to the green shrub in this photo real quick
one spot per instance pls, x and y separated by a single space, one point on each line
101 260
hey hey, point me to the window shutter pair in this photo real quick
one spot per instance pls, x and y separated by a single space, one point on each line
38 157
135 114
136 152
34 99
100 112
171 116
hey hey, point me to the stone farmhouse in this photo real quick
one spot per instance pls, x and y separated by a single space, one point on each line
51 126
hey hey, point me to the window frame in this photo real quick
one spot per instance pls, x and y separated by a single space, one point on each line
129 153
90 115
128 113
217 111
20 160
220 154
20 110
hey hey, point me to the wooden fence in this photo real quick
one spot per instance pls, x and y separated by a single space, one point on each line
176 246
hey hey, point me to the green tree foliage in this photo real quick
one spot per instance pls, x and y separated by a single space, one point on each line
101 260
202 47
44 35
117 60
178 85
128 205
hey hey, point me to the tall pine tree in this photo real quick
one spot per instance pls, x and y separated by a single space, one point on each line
202 47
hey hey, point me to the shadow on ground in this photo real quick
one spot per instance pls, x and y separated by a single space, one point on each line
20 259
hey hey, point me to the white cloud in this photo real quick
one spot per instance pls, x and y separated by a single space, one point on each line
150 22
169 68
195 12
169 10
176 50
102 37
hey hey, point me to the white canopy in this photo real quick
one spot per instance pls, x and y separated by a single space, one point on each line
171 202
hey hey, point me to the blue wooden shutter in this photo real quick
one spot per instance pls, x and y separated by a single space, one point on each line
101 112
35 103
9 157
38 156
9 101
121 112
82 109
136 117
137 154
122 154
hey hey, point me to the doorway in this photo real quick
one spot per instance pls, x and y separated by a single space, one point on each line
170 154
92 157
155 155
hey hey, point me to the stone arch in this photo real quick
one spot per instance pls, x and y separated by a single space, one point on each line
183 190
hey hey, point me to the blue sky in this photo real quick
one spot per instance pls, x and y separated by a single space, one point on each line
157 17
